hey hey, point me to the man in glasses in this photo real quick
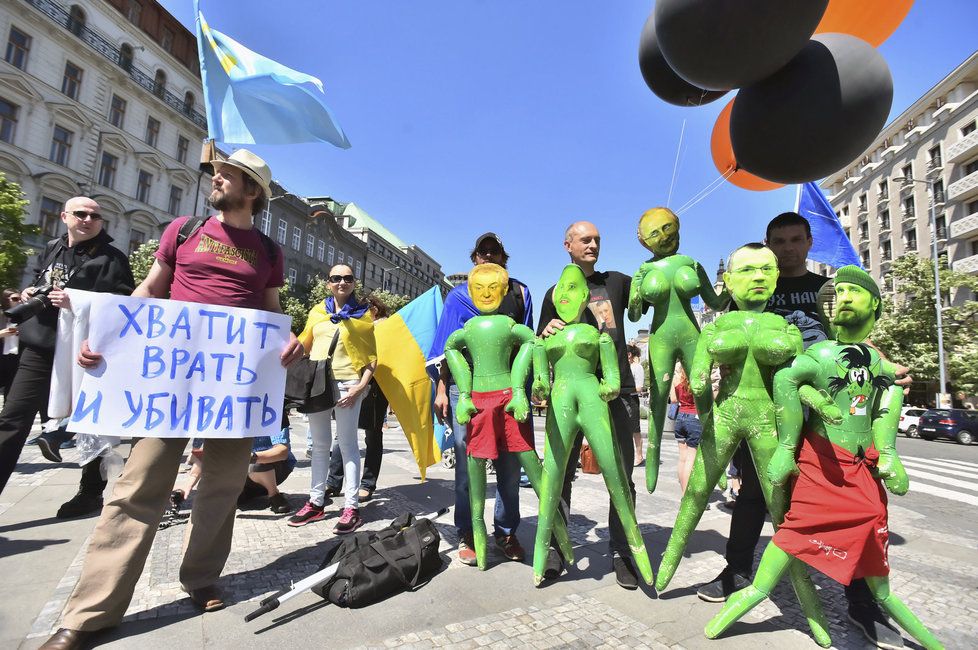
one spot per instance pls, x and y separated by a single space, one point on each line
459 308
82 258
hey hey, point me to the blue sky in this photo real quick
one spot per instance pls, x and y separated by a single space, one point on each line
521 117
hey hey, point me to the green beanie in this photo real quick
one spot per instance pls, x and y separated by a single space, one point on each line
855 275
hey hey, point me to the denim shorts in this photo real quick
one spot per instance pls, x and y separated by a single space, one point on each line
688 429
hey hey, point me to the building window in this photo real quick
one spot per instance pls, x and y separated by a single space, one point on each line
283 231
106 170
908 207
176 198
864 257
60 145
76 20
50 217
143 185
971 167
159 84
941 224
8 120
863 231
18 47
134 11
117 111
166 39
888 283
152 131
71 83
885 220
308 279
136 239
310 245
907 171
884 190
188 103
939 192
293 274
886 250
182 145
296 237
321 251
966 130
339 257
971 207
862 201
934 156
126 57
265 225
910 240
359 269
330 254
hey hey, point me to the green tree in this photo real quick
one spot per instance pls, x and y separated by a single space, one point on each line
907 331
141 260
13 230
293 305
319 291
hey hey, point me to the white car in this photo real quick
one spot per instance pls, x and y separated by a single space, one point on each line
909 420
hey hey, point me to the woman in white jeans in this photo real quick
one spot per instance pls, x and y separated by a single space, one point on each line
353 362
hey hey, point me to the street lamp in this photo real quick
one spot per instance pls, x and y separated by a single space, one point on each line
383 275
937 279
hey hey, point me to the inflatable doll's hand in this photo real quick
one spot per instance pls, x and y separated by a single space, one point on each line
466 409
821 402
518 407
782 465
890 470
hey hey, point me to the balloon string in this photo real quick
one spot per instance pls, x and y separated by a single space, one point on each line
714 183
675 165
717 184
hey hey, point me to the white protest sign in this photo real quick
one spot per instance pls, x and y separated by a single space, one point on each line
175 369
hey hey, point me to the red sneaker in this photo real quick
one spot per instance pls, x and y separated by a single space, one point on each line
307 514
349 521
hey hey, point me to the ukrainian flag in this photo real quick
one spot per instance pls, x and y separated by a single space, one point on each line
253 100
402 344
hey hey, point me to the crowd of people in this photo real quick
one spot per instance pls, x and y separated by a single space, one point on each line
226 472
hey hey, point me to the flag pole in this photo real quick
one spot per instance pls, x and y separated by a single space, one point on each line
798 197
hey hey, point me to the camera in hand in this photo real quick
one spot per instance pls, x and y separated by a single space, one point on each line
30 307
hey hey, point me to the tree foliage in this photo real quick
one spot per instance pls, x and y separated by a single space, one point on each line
13 230
907 331
141 260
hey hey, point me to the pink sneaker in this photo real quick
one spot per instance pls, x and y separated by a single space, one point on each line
349 521
307 514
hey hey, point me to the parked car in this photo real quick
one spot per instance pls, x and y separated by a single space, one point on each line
909 421
956 424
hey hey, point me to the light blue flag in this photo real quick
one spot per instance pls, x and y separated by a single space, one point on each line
829 242
253 100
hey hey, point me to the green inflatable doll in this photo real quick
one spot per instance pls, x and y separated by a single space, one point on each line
496 414
837 521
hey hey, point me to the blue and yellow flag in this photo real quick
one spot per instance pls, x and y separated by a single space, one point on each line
253 100
402 344
830 244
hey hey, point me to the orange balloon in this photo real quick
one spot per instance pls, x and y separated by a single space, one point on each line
871 20
723 156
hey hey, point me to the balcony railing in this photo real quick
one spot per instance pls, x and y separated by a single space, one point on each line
963 148
965 227
60 16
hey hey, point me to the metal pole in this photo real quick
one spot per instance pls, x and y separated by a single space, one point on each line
937 288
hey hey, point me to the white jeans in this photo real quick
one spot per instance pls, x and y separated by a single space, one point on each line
320 425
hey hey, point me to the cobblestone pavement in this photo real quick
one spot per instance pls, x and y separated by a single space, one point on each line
933 572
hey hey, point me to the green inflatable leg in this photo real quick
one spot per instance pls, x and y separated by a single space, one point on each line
773 564
901 613
609 459
662 363
477 501
534 471
554 465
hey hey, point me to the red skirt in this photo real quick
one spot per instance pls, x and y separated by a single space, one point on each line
837 520
492 430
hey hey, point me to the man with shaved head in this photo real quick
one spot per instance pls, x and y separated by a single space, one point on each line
606 311
81 258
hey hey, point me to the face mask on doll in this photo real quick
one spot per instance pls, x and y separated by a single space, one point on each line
752 277
488 284
658 231
854 305
571 294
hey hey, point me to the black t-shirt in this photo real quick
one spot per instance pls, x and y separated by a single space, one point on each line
606 311
797 300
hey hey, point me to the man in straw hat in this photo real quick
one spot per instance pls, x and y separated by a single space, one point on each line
223 260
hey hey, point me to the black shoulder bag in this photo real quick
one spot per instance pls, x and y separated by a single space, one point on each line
309 385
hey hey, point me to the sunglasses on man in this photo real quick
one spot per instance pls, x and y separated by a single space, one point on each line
336 279
83 215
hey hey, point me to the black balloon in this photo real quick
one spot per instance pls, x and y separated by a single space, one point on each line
724 44
815 115
663 80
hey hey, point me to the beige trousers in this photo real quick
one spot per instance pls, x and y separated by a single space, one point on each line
122 539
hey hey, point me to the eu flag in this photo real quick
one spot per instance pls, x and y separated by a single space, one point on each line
829 242
253 100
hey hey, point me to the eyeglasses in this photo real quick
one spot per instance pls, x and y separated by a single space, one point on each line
336 279
749 270
82 215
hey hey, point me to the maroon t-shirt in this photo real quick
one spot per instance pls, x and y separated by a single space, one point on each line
220 265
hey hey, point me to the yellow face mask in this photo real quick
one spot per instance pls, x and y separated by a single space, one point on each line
488 284
658 231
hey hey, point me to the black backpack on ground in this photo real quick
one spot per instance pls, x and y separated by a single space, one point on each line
375 565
